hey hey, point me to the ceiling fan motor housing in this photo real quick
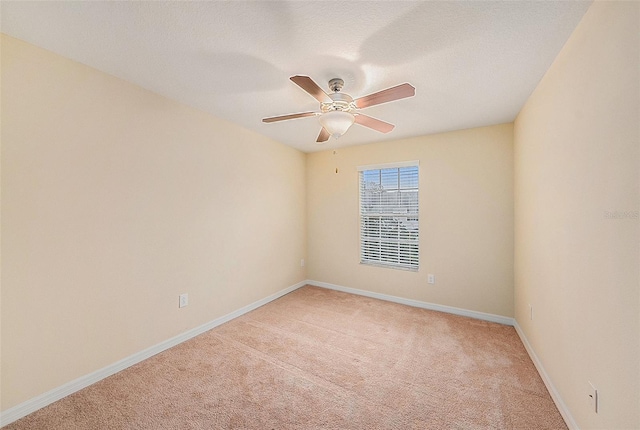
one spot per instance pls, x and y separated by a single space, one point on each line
340 101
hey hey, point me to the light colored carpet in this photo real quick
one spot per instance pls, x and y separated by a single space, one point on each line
321 359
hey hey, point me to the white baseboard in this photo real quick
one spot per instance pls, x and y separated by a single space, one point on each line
418 304
564 411
32 405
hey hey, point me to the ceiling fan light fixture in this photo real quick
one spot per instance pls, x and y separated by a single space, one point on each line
336 122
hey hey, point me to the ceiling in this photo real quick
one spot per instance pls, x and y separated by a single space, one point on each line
473 63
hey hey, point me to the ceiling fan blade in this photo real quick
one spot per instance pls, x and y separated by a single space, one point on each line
323 136
376 124
307 84
291 116
390 94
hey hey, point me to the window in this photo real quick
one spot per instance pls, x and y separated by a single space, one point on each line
389 215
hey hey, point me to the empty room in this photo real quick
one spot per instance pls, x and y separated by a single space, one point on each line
320 215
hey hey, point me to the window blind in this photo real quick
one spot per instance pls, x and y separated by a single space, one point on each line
389 224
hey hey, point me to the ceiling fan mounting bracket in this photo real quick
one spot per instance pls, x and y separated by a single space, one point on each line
336 84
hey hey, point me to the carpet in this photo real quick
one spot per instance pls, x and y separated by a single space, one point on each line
322 359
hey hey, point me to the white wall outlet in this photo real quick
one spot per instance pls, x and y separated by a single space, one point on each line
302 263
593 397
431 279
184 300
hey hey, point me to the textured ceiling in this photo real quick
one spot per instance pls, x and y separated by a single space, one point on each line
473 63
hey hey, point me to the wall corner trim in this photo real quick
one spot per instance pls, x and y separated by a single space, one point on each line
45 399
562 407
418 304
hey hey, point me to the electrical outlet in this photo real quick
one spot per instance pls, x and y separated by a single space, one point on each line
184 300
593 397
431 279
302 263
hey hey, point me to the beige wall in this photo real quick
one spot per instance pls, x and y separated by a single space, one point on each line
466 219
116 200
576 158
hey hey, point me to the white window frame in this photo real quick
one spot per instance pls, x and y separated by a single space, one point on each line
372 249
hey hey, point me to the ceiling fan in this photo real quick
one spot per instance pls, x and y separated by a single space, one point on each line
338 111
